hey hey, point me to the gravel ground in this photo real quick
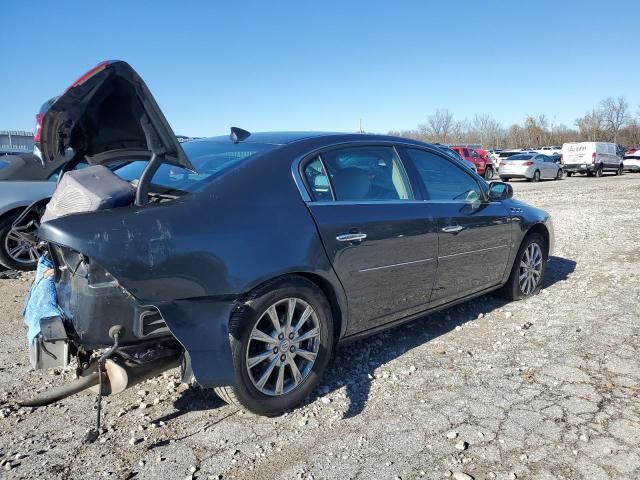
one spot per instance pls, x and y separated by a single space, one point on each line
545 388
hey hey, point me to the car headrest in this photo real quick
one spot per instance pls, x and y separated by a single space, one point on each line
351 183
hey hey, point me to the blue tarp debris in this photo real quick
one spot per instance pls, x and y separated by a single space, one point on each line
42 299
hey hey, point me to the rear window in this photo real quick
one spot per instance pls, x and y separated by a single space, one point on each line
521 157
505 154
210 158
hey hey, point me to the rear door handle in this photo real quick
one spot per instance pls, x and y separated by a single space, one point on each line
452 229
351 237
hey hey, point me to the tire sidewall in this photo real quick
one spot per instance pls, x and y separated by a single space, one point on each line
513 283
5 259
244 322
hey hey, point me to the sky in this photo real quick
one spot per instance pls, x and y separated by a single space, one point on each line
326 65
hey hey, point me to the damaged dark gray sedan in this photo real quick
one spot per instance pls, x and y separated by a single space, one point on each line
248 258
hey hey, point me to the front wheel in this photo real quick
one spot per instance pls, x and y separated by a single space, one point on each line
620 170
569 174
528 269
559 174
281 342
15 252
488 173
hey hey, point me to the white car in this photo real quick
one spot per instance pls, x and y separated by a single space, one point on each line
553 150
631 162
530 165
592 158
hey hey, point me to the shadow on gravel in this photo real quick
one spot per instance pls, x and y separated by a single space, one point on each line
352 363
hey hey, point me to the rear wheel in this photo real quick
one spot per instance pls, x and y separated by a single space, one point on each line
569 174
528 269
15 253
598 172
488 173
620 170
559 175
536 176
281 342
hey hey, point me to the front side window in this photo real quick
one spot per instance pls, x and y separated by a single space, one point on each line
444 181
366 174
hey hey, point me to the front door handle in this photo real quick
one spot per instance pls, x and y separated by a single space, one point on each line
351 237
452 229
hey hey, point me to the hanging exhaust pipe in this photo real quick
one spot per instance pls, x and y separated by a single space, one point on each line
118 377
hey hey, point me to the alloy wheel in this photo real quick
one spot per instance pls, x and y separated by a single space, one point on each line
19 250
530 272
283 346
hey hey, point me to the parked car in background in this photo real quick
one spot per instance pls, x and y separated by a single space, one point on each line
456 156
342 236
550 150
504 154
592 158
631 162
530 166
484 166
24 166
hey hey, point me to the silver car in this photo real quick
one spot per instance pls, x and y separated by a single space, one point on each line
532 166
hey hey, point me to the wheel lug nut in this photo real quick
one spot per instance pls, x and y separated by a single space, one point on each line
292 349
291 336
275 349
281 336
283 357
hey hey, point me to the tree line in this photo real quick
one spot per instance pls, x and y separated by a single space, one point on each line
611 120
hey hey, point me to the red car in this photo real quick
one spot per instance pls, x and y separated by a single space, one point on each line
483 164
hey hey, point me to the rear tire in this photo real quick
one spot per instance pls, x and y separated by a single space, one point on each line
620 171
598 172
286 382
536 177
513 289
569 174
559 175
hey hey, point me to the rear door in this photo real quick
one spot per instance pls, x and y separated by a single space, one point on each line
381 241
474 235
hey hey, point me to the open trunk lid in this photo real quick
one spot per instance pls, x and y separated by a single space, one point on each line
109 109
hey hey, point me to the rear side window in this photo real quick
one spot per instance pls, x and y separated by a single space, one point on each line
318 180
444 181
359 174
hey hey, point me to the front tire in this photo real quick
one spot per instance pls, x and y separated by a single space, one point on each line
527 272
569 174
15 253
619 171
281 342
559 175
488 173
536 176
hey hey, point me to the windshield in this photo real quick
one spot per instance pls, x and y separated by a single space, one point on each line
210 158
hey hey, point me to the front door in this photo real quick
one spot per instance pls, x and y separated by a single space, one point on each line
474 235
381 241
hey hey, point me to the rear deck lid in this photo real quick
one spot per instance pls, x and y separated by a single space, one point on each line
109 109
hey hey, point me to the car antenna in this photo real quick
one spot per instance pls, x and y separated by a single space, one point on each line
238 134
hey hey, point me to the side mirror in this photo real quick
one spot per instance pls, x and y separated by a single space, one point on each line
500 191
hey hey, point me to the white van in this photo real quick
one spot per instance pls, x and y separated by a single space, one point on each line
592 158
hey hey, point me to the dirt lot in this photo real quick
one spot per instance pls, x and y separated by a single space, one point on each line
545 388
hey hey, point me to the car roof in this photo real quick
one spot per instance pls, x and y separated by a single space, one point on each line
285 138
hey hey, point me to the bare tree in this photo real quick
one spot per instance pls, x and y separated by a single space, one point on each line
439 126
615 114
488 129
591 125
